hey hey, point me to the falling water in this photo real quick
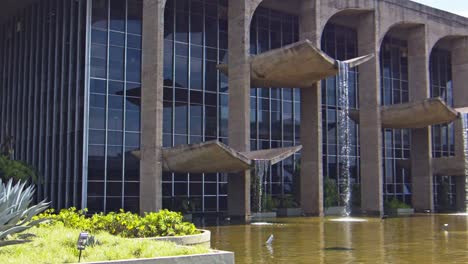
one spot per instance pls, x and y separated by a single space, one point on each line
465 149
259 184
344 135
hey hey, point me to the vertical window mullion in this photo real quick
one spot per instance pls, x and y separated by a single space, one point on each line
124 111
106 137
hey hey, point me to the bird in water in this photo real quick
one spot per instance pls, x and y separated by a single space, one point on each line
270 240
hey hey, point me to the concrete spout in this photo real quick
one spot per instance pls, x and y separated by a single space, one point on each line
298 65
214 156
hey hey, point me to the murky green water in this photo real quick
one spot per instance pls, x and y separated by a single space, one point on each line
419 239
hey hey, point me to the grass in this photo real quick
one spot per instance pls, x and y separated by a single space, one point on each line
57 244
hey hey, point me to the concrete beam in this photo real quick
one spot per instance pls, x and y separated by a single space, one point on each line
460 99
152 106
370 126
311 178
239 17
421 147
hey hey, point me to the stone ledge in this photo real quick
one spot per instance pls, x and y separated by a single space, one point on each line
203 239
215 257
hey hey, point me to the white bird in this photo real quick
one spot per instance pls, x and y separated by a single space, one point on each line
270 240
445 227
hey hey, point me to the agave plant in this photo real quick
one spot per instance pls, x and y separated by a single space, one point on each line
15 210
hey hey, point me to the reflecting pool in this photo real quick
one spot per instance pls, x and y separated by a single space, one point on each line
418 239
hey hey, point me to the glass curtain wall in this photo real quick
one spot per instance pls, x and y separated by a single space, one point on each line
195 97
41 94
275 113
443 136
396 142
114 105
339 42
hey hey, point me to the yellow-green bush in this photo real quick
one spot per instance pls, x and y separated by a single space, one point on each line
124 224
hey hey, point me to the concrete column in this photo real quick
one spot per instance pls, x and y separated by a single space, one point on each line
370 122
460 99
239 102
421 148
152 106
311 124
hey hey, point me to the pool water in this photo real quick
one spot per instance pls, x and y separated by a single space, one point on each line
418 239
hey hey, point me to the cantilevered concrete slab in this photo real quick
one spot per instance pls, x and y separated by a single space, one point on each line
298 65
207 157
214 156
444 166
420 114
453 166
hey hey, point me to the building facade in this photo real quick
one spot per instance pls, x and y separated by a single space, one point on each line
86 83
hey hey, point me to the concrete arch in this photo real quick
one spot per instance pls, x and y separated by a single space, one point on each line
254 4
348 12
291 5
442 39
401 25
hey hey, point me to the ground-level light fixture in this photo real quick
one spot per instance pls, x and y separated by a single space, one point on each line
82 243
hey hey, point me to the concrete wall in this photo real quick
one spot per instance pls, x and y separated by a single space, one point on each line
373 19
215 257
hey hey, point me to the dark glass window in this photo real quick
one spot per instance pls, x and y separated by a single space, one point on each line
117 15
396 142
191 86
271 126
114 114
441 86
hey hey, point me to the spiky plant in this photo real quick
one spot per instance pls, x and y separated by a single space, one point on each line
15 210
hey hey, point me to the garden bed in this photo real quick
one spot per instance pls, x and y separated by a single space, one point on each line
57 244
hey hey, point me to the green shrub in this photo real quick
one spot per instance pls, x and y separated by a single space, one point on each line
269 203
16 170
356 197
396 204
125 224
287 201
330 193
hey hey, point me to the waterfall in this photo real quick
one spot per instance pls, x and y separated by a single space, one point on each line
259 184
344 136
465 152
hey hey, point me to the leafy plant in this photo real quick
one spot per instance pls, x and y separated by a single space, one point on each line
16 170
394 204
6 147
330 192
184 205
356 198
287 201
444 195
270 203
125 224
15 210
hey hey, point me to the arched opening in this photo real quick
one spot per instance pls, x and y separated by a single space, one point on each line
398 44
275 112
195 98
340 40
446 82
